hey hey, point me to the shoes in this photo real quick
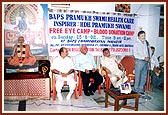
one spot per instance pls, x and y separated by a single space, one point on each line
68 97
160 87
112 86
116 91
86 93
59 96
142 93
135 91
91 92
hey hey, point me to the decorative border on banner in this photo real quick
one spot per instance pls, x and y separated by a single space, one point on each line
93 12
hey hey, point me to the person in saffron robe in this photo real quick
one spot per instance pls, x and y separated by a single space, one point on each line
21 54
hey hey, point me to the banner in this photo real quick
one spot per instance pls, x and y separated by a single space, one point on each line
70 29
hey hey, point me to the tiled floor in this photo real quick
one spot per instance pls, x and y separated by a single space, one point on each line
86 104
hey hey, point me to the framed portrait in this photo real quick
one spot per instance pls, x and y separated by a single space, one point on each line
122 8
125 88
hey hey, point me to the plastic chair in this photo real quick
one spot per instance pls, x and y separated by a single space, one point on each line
128 63
65 84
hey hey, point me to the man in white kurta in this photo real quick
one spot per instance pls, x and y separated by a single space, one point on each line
63 68
110 64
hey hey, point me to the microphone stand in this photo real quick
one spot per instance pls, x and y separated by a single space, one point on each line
147 97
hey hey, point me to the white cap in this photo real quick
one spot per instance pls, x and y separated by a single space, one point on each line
161 59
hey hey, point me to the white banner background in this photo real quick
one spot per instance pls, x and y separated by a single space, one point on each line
96 30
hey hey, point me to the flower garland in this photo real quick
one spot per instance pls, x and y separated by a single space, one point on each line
21 52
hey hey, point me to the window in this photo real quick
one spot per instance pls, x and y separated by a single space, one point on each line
161 23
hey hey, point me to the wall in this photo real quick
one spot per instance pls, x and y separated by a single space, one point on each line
148 19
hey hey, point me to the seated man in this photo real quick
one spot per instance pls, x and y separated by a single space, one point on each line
154 69
21 54
63 68
110 64
160 82
85 62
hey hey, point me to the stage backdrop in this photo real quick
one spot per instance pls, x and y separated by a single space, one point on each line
97 30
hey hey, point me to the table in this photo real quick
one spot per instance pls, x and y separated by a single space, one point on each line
123 97
25 84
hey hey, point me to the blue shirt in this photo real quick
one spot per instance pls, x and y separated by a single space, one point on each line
83 62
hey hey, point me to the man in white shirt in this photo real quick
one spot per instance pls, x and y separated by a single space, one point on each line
154 61
142 56
85 62
63 68
111 65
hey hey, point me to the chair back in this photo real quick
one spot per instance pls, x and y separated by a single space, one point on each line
128 63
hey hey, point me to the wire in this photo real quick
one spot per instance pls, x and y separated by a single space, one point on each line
76 106
138 8
51 104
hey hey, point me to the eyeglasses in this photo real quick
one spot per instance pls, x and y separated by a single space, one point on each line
66 52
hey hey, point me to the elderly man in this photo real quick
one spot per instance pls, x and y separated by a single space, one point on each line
63 68
85 62
21 54
110 64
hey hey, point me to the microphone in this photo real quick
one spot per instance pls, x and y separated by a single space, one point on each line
148 48
147 42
